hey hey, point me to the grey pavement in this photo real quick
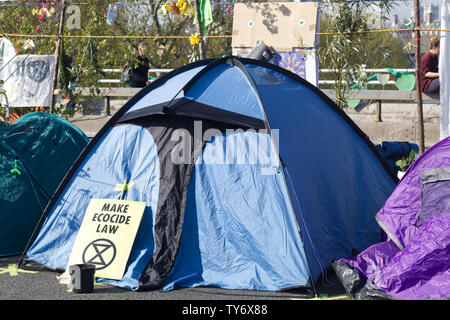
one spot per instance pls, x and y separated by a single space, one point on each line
37 283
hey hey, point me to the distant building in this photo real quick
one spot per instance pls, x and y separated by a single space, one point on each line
431 19
429 13
395 21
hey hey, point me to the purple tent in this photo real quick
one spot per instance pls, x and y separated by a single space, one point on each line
414 262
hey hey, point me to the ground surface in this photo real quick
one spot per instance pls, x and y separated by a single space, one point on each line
42 284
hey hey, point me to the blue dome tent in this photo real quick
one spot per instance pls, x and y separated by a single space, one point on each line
253 179
36 151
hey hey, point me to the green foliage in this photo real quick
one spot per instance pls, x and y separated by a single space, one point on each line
405 162
83 58
351 46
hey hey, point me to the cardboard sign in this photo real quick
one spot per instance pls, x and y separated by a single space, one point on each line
29 80
281 25
106 236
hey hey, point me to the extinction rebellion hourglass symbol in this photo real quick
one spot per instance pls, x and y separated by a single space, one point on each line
100 252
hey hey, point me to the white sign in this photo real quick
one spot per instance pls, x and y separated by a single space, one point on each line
29 80
106 236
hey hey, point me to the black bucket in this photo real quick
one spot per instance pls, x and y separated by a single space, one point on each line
261 52
82 278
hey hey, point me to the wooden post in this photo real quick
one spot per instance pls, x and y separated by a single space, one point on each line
57 53
199 29
379 111
107 105
420 126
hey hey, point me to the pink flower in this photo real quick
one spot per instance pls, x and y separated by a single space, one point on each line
42 17
38 29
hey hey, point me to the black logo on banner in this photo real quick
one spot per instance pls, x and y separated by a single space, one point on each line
100 252
37 70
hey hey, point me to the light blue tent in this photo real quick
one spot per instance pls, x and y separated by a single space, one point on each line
253 179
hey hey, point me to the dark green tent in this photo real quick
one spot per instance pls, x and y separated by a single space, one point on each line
36 151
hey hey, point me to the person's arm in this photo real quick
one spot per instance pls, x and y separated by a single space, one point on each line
432 75
425 65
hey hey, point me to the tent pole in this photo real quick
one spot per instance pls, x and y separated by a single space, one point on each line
418 83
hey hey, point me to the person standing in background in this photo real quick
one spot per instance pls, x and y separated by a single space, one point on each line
139 69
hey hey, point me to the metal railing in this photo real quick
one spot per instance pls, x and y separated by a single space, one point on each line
375 95
321 82
372 95
367 71
157 71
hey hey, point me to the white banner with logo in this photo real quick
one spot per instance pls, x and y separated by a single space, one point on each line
29 80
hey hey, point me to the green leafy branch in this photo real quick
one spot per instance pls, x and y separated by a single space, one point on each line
405 162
